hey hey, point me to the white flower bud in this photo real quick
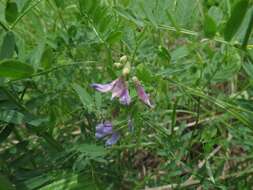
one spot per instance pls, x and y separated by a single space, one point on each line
123 59
135 79
126 71
117 64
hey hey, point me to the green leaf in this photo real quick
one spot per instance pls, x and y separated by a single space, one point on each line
88 5
15 69
149 13
104 23
248 31
26 4
36 182
37 54
210 27
114 37
164 53
143 73
92 150
8 46
210 172
216 14
11 116
6 132
23 4
47 58
84 96
5 184
129 15
248 68
238 12
11 11
64 183
173 22
125 3
179 53
59 3
71 182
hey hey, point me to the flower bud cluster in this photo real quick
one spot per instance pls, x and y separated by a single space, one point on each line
123 63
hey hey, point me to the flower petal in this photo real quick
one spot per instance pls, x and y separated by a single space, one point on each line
125 98
144 97
114 138
99 135
104 87
103 129
118 88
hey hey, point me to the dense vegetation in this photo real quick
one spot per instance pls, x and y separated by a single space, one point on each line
180 73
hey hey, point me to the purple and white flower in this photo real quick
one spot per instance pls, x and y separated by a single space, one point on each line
125 98
106 130
118 88
143 96
103 129
113 139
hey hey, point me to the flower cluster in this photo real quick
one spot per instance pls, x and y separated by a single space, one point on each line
119 89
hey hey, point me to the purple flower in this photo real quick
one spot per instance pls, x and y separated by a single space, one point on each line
104 87
125 98
118 88
113 139
105 130
143 96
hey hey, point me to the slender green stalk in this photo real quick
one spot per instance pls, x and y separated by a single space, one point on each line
5 27
49 71
174 116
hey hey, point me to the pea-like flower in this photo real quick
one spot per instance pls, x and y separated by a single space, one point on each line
143 96
106 130
103 129
113 139
118 88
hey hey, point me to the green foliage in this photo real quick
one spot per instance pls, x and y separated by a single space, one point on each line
12 116
194 59
238 12
209 26
8 46
5 184
11 11
84 96
15 69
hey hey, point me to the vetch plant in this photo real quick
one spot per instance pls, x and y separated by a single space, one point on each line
60 131
119 89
